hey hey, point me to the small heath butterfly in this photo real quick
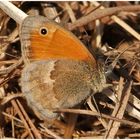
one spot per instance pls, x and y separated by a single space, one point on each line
59 71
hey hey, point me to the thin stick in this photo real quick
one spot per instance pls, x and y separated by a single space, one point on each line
92 113
100 13
102 120
11 68
34 129
13 11
50 132
119 113
11 117
121 22
72 119
14 103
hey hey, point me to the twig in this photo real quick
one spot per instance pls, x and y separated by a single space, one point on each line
50 12
13 128
133 107
98 33
135 135
11 68
12 117
92 113
22 118
34 129
14 12
24 135
70 12
121 22
119 110
100 13
72 119
103 121
126 27
10 97
50 132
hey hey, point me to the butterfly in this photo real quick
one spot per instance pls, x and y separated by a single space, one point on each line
59 71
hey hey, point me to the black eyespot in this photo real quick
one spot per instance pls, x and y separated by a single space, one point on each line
43 31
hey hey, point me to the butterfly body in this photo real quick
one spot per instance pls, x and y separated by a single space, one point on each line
59 71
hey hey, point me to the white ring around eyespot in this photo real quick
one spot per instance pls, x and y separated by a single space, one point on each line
40 31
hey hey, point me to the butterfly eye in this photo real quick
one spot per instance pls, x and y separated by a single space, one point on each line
43 31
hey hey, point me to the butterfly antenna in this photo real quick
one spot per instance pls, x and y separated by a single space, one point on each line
113 64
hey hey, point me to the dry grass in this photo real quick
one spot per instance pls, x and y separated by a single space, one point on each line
112 35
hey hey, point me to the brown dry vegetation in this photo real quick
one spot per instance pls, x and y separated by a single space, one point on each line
118 112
